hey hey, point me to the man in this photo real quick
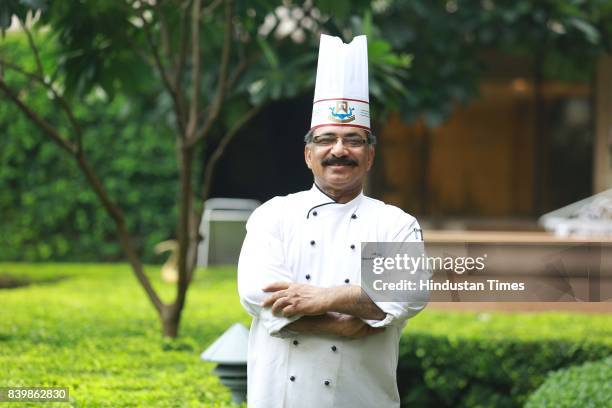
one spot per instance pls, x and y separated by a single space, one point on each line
317 340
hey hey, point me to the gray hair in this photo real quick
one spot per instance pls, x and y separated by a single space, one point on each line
371 137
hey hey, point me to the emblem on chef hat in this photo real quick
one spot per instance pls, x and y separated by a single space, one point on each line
341 91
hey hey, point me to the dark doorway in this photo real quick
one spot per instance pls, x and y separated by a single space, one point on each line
266 159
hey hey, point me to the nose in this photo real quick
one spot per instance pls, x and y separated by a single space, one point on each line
338 148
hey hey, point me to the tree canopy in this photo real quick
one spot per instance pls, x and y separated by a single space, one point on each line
192 74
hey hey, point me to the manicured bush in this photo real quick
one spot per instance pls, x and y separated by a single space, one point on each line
585 386
95 332
91 328
493 360
47 208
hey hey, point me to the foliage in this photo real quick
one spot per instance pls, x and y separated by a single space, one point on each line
94 332
493 360
447 40
207 68
589 386
47 213
108 350
210 69
103 44
92 51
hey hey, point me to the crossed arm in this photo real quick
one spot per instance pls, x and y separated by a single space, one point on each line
337 310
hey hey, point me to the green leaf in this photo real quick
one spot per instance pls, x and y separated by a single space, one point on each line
269 54
589 31
34 4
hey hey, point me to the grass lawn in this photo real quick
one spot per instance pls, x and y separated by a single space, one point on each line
94 331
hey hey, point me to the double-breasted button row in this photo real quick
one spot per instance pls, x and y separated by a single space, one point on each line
326 382
347 280
354 216
313 243
333 347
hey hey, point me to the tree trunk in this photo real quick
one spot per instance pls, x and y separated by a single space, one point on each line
170 318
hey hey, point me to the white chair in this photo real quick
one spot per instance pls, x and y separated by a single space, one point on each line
223 229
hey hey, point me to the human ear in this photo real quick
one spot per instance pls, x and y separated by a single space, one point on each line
371 154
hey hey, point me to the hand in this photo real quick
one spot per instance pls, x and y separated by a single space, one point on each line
290 299
354 328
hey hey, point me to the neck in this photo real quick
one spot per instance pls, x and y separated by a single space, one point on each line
341 196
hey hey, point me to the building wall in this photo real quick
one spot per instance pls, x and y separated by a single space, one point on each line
483 161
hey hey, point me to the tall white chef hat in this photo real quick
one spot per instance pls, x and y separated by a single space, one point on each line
341 90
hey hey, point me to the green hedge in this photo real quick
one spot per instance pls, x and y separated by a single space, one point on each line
91 328
47 208
493 360
586 386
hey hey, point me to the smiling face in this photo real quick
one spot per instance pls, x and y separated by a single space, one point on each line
339 168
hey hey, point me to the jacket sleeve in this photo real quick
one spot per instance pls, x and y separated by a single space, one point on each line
261 262
398 313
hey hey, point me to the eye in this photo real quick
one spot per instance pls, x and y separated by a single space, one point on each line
354 141
325 140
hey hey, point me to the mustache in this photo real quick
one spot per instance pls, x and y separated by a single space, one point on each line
346 161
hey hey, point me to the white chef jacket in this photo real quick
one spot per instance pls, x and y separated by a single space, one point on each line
309 238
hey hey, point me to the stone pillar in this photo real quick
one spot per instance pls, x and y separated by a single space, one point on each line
602 154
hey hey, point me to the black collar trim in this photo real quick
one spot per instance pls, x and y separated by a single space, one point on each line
317 206
321 205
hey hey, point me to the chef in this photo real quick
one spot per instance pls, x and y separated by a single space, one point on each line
317 340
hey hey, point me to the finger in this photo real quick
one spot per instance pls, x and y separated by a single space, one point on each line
279 305
289 311
276 286
269 301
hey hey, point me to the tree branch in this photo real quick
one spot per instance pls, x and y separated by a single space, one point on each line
185 155
208 177
111 208
32 47
162 72
223 71
163 28
195 70
239 70
185 213
122 232
182 57
62 101
45 126
211 7
184 42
